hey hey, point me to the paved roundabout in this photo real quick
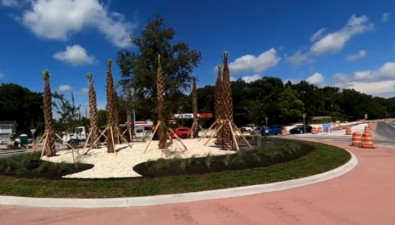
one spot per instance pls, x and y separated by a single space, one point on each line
362 196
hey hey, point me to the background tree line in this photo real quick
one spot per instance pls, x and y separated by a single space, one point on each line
285 103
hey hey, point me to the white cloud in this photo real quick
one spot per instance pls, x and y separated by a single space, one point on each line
76 55
1 74
359 55
257 64
377 88
386 72
380 82
316 79
53 19
317 35
362 75
64 87
299 58
335 41
84 90
385 17
249 79
232 78
340 80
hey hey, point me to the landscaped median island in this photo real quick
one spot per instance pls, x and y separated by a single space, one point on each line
277 160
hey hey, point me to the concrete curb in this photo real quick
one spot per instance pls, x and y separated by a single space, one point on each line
3 152
177 198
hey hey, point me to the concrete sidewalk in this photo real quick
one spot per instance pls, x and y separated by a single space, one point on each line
362 196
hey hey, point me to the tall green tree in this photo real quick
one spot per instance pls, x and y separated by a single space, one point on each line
69 113
22 105
139 68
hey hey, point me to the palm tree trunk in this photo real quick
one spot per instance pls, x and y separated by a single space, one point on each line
160 86
218 105
228 142
93 116
110 109
116 118
48 149
195 127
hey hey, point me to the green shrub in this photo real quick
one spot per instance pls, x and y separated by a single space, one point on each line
227 160
44 167
64 167
208 160
183 164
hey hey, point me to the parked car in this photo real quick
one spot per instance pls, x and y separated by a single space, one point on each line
276 129
248 128
182 132
300 129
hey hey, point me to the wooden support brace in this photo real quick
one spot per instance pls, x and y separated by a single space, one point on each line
233 136
153 134
215 132
205 133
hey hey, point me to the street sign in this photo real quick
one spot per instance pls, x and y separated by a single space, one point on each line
366 116
33 131
326 127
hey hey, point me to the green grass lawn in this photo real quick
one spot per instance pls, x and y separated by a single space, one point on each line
321 159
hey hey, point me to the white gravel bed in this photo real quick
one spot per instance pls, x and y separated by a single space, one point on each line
120 165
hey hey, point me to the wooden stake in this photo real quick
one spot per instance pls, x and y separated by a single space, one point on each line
237 130
215 132
124 139
112 138
45 143
233 136
39 142
87 140
72 149
178 139
207 131
101 135
153 134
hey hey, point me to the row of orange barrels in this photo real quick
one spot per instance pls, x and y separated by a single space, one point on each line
368 128
365 139
315 130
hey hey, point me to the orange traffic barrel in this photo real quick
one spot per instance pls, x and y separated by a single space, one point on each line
367 140
356 139
368 129
314 130
348 131
284 131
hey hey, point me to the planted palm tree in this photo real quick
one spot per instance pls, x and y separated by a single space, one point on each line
116 118
93 142
160 94
50 135
195 126
218 105
227 105
110 109
129 123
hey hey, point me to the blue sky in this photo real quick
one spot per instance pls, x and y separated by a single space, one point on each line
348 44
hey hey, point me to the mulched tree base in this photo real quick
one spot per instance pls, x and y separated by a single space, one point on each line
173 167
